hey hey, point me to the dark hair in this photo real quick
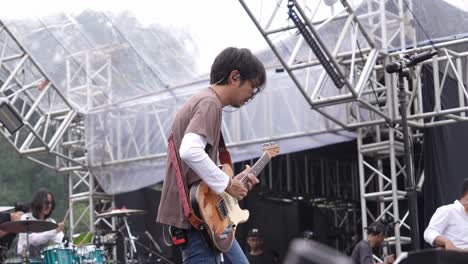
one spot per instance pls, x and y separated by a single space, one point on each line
37 203
230 59
376 228
23 207
464 189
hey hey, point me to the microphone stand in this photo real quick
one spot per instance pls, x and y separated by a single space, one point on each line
410 182
402 68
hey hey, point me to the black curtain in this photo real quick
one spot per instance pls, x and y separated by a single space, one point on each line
283 218
445 150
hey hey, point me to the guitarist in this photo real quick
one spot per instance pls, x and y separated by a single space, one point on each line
236 77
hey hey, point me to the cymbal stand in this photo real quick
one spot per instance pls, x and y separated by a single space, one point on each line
130 236
26 256
128 254
132 239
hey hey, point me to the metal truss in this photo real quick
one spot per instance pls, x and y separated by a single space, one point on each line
88 85
94 65
42 108
89 82
87 200
53 134
323 183
302 57
382 191
370 99
53 131
123 145
381 195
355 53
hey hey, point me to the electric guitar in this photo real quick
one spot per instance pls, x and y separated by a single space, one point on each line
221 213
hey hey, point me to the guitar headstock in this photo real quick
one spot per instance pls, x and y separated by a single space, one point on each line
271 148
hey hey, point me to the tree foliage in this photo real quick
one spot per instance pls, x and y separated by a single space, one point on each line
20 178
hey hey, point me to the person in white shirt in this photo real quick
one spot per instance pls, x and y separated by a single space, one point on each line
42 206
448 227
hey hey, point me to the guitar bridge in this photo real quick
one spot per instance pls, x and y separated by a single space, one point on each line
222 210
227 231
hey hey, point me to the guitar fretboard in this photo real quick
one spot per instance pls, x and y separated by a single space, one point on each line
257 167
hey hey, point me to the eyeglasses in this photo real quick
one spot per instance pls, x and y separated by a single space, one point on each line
48 202
255 90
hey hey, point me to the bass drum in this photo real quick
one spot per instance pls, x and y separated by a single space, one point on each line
90 255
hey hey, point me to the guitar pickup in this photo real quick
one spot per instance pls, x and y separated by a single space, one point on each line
222 210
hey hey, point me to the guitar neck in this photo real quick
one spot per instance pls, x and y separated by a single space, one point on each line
258 166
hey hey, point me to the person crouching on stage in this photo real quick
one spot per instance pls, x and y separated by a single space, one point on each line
42 206
362 253
448 227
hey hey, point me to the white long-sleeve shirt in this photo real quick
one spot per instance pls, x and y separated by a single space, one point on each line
451 222
192 152
37 241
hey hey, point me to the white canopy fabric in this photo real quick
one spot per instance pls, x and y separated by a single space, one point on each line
128 74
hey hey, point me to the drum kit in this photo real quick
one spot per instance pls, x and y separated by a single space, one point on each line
27 226
130 241
79 254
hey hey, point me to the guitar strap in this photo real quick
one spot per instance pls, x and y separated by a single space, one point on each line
195 221
224 158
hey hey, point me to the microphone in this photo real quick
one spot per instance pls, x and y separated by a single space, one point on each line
394 66
417 58
410 61
152 240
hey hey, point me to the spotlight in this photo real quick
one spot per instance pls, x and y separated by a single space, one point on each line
9 117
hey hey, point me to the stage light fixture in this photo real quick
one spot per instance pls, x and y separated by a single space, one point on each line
336 78
9 117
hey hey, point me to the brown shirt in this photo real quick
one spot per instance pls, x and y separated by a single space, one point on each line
202 115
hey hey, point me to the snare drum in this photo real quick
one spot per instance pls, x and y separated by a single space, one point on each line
20 261
59 255
89 254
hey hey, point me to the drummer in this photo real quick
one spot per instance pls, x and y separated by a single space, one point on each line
42 206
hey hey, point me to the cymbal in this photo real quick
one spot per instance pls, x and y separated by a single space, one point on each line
6 208
25 226
121 212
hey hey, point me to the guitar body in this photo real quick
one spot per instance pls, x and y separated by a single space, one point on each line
220 213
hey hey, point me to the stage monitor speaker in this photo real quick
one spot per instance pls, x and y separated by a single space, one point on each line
434 256
310 252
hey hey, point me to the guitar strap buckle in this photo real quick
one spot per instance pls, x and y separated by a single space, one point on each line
178 236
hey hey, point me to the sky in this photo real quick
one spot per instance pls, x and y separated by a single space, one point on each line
214 24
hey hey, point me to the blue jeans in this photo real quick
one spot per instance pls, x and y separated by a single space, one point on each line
197 251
